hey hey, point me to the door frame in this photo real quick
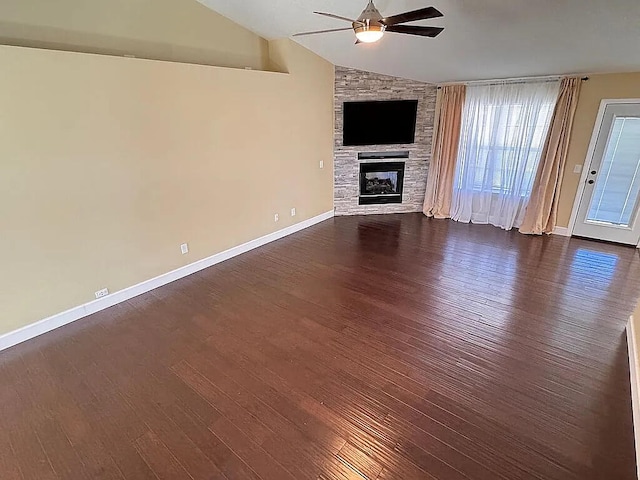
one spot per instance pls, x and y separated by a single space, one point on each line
604 103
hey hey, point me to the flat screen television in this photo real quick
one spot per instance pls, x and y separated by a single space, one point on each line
379 122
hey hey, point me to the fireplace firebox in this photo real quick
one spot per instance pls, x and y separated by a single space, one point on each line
381 182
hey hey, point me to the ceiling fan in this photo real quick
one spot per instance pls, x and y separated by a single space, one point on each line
370 26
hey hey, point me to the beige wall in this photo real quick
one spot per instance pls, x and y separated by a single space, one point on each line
177 30
634 366
624 85
636 322
108 164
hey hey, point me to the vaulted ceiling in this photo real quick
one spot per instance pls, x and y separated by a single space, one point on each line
482 38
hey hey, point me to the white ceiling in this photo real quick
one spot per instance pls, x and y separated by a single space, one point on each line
483 39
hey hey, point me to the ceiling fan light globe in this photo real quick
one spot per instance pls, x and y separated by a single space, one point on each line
369 33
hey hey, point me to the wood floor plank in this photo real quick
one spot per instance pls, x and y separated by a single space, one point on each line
381 347
229 343
307 437
361 463
163 463
225 459
237 429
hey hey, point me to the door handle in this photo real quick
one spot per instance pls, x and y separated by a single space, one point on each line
591 182
593 172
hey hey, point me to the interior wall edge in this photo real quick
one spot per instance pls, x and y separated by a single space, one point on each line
635 386
109 164
173 30
86 52
58 320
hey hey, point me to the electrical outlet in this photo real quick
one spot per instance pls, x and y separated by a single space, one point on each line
184 248
577 169
321 163
293 212
102 293
276 217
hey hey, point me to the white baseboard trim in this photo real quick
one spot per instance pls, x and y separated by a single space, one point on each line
55 321
635 387
562 231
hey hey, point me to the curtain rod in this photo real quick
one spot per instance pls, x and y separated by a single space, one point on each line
510 81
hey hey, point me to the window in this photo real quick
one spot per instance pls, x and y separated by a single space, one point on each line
504 128
499 145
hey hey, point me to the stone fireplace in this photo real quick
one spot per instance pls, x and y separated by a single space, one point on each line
378 179
381 181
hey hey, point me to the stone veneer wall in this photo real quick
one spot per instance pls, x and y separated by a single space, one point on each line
356 85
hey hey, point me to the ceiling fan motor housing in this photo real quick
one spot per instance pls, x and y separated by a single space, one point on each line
370 20
371 25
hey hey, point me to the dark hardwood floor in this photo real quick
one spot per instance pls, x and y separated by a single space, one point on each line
381 347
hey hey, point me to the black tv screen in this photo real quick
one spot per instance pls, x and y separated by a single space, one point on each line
379 123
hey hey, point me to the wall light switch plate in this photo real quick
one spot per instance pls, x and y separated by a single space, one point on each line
321 163
184 248
577 169
293 212
276 217
102 293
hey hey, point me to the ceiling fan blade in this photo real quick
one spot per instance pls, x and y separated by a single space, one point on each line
331 15
322 31
422 14
413 30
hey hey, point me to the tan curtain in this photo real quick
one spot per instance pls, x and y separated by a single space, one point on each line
437 200
542 210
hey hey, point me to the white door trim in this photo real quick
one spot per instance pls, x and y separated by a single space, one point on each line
590 152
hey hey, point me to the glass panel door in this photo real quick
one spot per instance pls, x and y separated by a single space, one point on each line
609 205
618 184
